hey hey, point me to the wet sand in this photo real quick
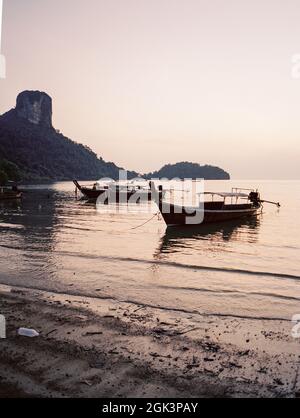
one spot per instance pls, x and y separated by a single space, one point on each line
93 347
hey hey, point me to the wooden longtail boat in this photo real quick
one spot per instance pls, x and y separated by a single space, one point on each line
212 211
114 193
89 193
10 194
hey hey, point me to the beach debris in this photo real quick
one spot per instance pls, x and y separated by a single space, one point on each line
156 355
50 332
263 370
87 382
26 332
242 379
91 333
115 352
185 332
244 353
211 372
18 291
192 366
233 364
278 382
160 331
98 364
138 309
209 346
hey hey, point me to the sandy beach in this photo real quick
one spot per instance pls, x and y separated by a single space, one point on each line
93 347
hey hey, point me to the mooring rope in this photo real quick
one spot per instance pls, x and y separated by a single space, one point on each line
145 223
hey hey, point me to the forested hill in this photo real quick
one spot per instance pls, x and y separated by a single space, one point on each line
32 150
191 171
39 152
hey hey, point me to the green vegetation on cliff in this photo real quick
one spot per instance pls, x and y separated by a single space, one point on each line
190 170
8 172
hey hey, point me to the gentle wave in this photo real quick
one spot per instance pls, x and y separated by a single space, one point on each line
184 266
167 263
89 295
232 292
11 226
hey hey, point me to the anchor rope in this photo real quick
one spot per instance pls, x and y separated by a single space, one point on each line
145 223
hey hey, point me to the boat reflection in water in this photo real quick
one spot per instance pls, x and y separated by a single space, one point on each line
202 237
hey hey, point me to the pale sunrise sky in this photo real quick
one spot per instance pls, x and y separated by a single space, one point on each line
147 82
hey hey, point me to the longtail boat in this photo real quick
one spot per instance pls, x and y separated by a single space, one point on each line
10 193
115 193
88 192
209 212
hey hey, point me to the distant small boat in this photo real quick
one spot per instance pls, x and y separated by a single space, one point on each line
88 192
10 193
115 192
210 211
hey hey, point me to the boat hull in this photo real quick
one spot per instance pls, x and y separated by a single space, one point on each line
91 194
114 196
10 195
175 215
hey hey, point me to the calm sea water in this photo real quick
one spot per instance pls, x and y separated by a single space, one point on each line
50 241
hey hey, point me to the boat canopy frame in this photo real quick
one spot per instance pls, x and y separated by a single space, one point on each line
225 195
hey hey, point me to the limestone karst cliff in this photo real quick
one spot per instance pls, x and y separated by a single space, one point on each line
35 107
29 140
